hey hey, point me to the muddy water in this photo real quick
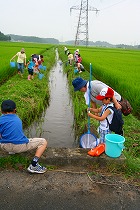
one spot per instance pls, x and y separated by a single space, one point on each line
56 123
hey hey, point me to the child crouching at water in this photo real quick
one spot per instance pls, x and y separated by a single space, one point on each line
13 140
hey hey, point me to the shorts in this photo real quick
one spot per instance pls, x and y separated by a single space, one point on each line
34 143
30 71
102 134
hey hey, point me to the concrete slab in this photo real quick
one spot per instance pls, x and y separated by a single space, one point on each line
76 157
72 157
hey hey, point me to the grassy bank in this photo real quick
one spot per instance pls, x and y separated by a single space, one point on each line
9 49
131 126
30 96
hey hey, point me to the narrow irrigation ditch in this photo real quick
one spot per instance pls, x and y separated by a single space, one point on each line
56 122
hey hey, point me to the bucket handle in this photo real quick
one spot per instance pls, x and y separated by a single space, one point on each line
121 146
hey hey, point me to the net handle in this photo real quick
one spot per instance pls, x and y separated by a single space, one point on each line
89 96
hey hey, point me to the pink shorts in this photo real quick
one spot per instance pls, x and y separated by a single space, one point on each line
34 143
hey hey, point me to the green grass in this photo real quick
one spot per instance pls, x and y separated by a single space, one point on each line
30 96
132 123
118 68
9 49
16 161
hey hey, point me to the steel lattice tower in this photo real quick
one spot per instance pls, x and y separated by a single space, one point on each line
82 28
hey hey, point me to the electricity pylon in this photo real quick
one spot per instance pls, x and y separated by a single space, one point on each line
82 28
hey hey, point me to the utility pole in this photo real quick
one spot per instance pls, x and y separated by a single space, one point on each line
82 28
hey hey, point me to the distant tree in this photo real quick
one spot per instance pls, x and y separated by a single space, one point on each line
4 37
33 39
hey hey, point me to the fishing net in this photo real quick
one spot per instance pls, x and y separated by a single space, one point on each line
88 140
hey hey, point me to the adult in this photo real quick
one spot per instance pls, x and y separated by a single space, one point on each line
82 85
21 61
70 58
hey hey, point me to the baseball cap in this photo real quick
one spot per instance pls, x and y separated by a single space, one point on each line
105 93
78 83
8 106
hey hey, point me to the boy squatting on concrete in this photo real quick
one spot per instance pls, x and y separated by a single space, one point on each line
13 140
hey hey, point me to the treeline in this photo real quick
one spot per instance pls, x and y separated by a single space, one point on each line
4 37
102 44
20 38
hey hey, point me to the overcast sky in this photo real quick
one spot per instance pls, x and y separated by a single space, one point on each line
117 22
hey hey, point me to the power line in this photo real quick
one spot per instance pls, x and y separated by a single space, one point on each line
113 5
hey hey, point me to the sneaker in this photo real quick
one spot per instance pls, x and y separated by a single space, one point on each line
37 169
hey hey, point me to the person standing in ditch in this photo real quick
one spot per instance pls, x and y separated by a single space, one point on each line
13 140
21 61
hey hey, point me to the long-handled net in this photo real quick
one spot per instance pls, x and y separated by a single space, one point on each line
89 140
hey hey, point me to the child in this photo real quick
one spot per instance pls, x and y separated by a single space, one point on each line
30 66
38 61
13 140
80 67
79 58
106 96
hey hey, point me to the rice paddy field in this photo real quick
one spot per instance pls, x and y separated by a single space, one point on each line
9 49
119 68
30 96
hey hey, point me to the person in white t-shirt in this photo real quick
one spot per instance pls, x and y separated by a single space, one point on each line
82 85
106 96
21 61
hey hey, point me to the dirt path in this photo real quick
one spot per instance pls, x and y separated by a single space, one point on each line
66 189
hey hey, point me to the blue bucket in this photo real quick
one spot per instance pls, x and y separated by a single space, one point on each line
76 71
44 68
114 145
40 76
40 67
13 64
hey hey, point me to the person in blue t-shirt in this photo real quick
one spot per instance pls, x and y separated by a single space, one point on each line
30 66
13 140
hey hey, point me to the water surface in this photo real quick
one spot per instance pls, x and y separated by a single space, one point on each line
56 123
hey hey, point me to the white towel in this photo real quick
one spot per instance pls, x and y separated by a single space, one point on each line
86 95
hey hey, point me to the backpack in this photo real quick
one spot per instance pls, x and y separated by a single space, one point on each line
117 121
126 107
